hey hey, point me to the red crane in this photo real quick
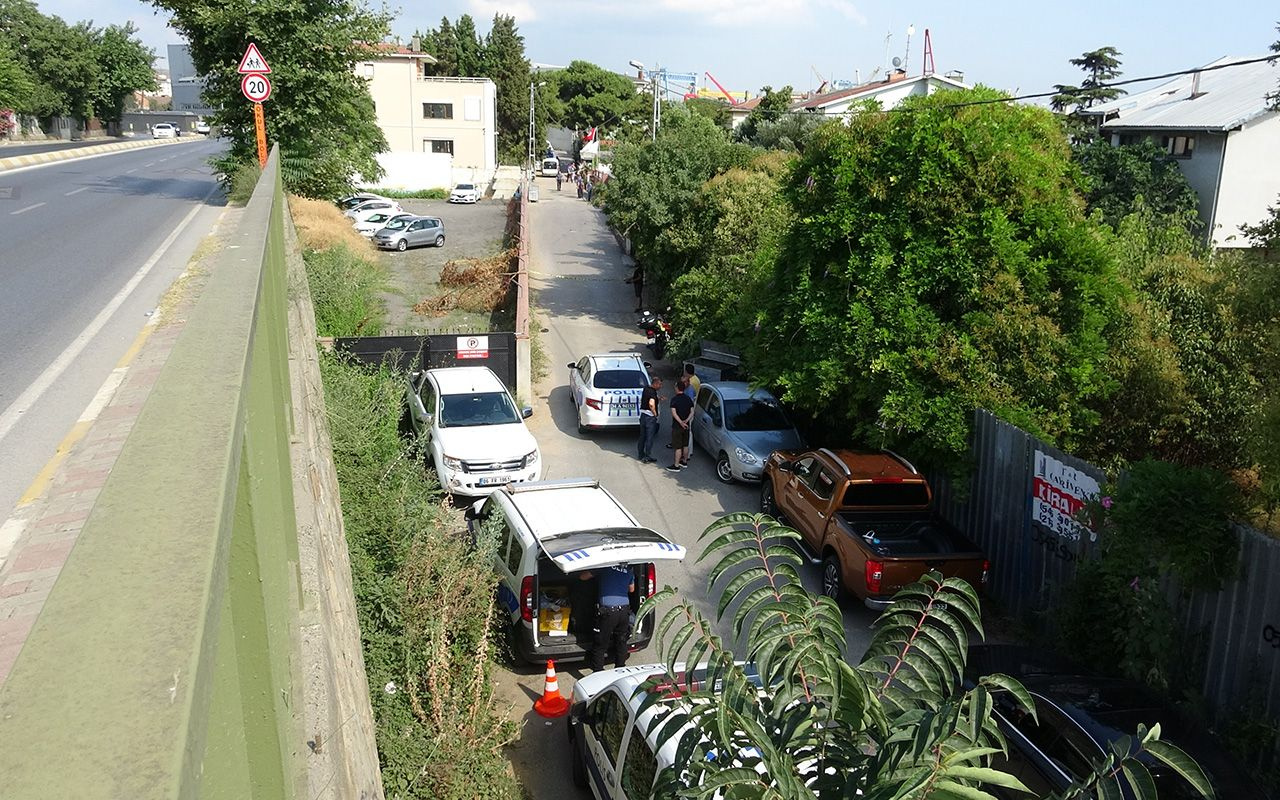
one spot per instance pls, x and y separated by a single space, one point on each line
723 91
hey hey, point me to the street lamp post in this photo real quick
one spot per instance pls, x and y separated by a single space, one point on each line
532 127
657 101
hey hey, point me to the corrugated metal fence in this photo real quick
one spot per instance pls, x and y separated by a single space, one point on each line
1017 504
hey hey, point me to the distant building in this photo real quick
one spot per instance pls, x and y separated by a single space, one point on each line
1219 128
186 82
889 91
739 112
424 114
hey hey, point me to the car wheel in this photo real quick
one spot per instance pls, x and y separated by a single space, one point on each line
768 504
402 245
579 763
831 582
724 470
440 240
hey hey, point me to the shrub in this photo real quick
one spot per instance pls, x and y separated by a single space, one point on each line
240 181
346 291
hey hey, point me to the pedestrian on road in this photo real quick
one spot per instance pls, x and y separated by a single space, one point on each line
591 185
559 179
637 282
649 420
578 181
681 418
613 615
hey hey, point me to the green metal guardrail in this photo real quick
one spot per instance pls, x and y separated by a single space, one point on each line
164 663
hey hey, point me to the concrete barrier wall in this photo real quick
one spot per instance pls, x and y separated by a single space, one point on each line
168 660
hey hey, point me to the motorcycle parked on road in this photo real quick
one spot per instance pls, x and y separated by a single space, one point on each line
658 331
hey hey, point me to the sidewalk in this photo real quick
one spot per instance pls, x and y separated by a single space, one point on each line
37 539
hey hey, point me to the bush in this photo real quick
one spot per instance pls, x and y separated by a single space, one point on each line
345 289
424 598
420 194
240 181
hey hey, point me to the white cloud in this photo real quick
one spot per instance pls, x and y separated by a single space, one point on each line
522 10
729 13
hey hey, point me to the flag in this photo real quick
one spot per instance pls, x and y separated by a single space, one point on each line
590 135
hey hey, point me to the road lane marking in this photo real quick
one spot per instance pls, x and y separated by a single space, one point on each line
130 171
13 414
9 533
151 164
77 191
25 210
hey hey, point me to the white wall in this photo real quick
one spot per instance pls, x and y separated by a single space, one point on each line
1250 179
413 171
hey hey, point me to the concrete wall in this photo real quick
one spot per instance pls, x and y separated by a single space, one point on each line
399 91
413 171
1250 179
137 123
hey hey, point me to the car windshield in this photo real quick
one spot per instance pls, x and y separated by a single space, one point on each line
465 187
484 408
376 218
619 379
352 202
754 414
398 223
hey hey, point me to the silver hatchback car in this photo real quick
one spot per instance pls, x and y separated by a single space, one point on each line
403 233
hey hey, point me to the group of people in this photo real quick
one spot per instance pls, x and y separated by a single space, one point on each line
681 409
583 177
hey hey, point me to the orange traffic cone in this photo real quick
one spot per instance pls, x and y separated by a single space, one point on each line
551 704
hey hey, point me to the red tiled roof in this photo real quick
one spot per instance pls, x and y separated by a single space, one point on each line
817 101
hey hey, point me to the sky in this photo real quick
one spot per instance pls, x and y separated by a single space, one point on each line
746 44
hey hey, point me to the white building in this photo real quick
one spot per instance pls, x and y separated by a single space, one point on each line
1218 126
448 124
890 91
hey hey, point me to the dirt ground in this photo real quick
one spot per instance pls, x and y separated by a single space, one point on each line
471 231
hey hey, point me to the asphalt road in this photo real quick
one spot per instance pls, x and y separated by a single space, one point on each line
88 248
586 308
48 147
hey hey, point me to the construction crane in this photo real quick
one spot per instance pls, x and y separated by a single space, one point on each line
822 81
723 90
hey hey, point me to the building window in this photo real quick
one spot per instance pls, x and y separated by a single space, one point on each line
1126 139
437 110
439 145
368 70
1178 146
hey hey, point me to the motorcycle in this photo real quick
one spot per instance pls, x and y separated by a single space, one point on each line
658 331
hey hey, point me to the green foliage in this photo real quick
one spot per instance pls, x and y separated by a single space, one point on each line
60 60
790 132
17 89
940 261
715 110
773 106
241 182
470 53
346 290
1100 66
584 95
320 113
505 64
424 599
896 726
1119 181
124 68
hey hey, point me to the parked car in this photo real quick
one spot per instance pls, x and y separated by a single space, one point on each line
1079 713
739 427
473 433
203 128
376 222
867 518
368 208
164 130
352 200
416 231
552 531
465 193
605 390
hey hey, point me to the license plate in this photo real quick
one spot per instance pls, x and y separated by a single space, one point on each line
492 481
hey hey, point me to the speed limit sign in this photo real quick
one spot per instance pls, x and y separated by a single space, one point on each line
256 87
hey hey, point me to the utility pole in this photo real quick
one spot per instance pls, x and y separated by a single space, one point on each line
657 99
529 162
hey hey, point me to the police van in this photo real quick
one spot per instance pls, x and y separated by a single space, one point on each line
548 534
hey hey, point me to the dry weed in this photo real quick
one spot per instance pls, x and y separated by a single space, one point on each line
322 226
472 284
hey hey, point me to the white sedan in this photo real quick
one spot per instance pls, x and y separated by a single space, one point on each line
605 390
465 193
164 130
376 222
370 207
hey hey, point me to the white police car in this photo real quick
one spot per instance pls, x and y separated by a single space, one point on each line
605 389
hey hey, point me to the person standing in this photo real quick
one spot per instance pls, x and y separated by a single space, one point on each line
691 378
681 419
613 615
578 181
649 420
637 282
559 179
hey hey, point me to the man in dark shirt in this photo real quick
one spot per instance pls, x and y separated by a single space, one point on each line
613 614
681 418
648 420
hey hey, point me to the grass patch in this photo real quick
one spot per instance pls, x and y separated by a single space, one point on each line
241 182
321 226
419 194
425 602
346 290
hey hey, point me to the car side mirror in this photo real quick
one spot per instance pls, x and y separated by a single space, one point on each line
572 365
647 365
786 466
526 412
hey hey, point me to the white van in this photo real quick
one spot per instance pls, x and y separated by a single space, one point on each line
550 167
548 533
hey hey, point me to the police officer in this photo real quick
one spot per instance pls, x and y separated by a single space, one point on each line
613 614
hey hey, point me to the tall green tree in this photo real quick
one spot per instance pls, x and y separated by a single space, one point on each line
505 64
590 96
470 53
772 106
1119 181
715 110
125 67
442 43
320 113
17 89
1100 66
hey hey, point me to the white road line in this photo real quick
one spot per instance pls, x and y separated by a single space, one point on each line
25 210
77 191
151 164
9 533
13 414
105 393
130 171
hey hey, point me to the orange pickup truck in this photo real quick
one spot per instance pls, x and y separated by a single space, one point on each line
867 518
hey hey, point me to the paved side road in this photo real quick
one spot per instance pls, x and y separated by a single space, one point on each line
585 306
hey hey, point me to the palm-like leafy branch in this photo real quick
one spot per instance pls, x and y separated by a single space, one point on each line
791 718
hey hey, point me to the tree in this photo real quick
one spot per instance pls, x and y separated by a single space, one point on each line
321 113
470 56
125 67
1120 180
1101 65
504 63
771 107
789 132
442 43
590 96
17 89
715 110
812 725
919 282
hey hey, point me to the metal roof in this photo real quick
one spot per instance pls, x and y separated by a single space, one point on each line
1226 99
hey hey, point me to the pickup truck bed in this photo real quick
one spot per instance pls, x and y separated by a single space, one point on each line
907 536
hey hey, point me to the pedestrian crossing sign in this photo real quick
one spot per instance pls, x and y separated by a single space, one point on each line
252 61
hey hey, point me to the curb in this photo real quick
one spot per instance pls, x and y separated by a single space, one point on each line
14 162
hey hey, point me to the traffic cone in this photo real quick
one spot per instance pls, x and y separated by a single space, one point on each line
551 704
